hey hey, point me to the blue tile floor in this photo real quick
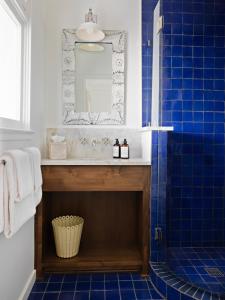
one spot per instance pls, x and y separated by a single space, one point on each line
95 286
190 264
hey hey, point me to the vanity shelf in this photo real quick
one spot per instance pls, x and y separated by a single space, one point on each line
114 202
96 259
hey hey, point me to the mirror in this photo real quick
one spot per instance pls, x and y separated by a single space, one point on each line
93 78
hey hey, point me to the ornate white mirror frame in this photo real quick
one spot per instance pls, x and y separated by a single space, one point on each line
117 114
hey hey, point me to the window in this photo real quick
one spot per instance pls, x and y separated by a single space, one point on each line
14 53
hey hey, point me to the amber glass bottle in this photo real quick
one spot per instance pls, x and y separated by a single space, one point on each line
116 149
125 150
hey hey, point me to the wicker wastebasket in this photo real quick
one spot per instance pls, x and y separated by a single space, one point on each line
67 233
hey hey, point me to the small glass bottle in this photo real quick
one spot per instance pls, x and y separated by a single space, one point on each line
125 150
116 149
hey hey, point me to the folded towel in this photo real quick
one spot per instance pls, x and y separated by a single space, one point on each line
35 158
23 173
16 214
1 197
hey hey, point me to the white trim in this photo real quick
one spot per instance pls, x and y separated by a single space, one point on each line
23 8
14 138
155 68
140 63
162 128
15 10
26 73
10 123
157 128
16 131
28 286
14 135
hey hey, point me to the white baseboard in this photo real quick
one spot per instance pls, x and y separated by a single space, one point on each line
28 286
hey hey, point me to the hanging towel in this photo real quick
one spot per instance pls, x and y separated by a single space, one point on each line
38 196
16 214
35 158
22 173
1 197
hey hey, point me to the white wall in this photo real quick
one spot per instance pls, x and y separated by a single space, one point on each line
17 254
17 261
114 15
38 71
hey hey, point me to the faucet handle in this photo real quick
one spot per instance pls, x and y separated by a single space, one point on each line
106 141
84 141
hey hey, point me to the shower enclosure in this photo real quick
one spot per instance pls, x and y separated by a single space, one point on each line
188 184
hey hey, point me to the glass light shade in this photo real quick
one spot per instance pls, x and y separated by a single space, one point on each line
89 32
91 47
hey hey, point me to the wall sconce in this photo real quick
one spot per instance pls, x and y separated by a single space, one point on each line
89 30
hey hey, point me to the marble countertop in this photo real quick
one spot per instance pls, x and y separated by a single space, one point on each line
96 162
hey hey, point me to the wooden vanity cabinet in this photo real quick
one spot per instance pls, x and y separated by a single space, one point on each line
114 202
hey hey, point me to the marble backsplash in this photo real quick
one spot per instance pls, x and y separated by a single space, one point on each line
94 143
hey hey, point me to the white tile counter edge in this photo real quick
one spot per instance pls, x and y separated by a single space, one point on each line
93 162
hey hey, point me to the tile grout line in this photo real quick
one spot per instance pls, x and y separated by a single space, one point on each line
134 288
148 287
46 287
119 286
75 289
104 287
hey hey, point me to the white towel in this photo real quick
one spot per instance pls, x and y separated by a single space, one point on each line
1 197
35 158
23 173
16 214
38 196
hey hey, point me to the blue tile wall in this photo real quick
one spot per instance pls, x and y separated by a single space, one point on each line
147 34
193 102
